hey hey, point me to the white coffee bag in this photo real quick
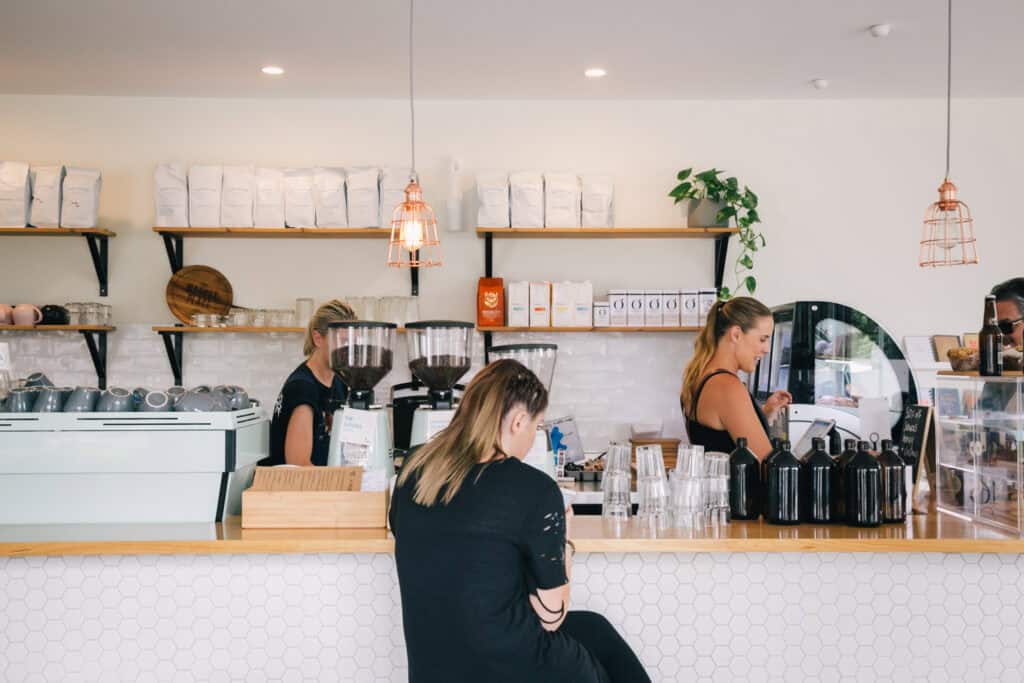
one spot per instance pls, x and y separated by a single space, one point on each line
299 206
170 194
329 197
393 182
561 200
268 204
363 185
597 202
562 304
527 199
47 183
80 198
518 303
236 202
492 195
204 190
15 194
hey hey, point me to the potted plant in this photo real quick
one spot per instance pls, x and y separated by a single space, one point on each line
713 201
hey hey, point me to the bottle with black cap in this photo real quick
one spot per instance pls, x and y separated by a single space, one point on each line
862 488
783 487
744 482
894 484
849 450
776 447
820 481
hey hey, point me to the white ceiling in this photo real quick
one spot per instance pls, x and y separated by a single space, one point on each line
509 48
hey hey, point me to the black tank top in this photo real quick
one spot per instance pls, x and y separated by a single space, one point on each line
715 439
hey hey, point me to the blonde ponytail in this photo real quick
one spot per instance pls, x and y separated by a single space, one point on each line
334 311
743 311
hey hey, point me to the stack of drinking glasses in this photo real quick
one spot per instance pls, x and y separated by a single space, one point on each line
651 484
616 483
687 488
716 488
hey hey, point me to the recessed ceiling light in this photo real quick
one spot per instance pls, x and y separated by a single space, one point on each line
820 83
595 72
880 30
272 70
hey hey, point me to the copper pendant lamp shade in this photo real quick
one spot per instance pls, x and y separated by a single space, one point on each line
413 242
947 238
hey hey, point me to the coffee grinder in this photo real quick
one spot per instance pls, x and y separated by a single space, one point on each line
540 359
361 354
440 353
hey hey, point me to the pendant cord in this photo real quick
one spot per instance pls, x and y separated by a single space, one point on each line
412 108
949 75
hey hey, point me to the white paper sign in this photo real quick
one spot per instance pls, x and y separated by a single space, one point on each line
5 356
438 420
358 427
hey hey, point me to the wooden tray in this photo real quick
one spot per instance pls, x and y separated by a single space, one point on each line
314 509
198 289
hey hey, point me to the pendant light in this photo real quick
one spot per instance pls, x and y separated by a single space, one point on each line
413 242
948 235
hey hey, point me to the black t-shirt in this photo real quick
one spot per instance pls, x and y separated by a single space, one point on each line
465 570
303 388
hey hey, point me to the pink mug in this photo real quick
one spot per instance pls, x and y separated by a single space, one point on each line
6 314
26 314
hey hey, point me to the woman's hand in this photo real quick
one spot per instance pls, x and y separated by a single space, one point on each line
776 402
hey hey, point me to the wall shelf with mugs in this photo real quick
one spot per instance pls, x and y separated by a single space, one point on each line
96 238
174 240
174 340
719 235
95 341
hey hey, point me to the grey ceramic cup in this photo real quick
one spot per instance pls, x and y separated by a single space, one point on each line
82 400
196 402
156 402
21 401
115 400
139 396
66 392
240 399
38 379
49 400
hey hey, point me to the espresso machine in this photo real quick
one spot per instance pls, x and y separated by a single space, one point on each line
540 359
440 353
361 354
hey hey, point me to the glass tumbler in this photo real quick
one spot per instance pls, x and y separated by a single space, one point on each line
650 462
687 501
617 502
653 494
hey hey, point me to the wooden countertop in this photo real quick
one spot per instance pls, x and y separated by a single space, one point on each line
922 533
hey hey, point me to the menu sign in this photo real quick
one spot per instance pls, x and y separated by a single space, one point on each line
919 454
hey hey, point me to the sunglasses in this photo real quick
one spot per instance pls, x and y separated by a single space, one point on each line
1006 326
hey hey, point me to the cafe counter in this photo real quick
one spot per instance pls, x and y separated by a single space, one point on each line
934 598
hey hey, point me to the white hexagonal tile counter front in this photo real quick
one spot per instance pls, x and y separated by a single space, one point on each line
338 617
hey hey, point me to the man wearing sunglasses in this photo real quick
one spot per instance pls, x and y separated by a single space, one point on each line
1010 310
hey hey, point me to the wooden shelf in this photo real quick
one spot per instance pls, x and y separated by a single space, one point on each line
55 232
57 328
270 233
590 329
622 233
188 329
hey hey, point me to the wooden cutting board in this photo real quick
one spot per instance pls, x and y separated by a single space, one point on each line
198 289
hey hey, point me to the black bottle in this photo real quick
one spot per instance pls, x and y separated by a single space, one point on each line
776 447
835 442
783 487
990 341
820 480
849 450
862 488
894 484
744 483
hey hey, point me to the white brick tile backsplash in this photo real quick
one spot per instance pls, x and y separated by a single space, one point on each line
606 380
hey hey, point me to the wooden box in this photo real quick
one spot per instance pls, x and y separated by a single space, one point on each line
311 498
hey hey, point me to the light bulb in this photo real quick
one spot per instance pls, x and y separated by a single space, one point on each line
412 235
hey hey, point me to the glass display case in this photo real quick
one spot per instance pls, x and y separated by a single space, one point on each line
978 450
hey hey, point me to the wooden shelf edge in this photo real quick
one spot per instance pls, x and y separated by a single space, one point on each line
57 328
56 232
269 233
189 329
589 329
606 232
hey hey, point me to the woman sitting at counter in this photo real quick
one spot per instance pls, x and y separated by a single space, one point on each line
300 431
717 407
482 552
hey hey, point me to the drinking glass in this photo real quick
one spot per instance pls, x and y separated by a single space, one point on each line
653 494
618 458
617 503
92 314
690 461
687 501
74 313
412 308
716 488
303 311
650 462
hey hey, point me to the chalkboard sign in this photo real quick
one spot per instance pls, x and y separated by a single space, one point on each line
917 422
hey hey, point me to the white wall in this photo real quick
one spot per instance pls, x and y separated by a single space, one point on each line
843 187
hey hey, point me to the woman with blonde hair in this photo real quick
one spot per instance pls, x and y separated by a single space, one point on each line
300 431
482 552
717 407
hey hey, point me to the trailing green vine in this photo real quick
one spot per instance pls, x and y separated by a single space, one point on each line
737 205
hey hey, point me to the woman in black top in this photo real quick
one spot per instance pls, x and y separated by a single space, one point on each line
300 431
481 550
717 407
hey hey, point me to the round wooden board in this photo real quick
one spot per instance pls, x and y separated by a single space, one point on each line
198 289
